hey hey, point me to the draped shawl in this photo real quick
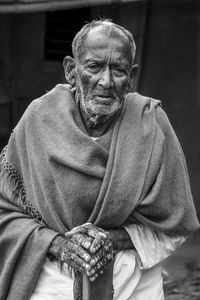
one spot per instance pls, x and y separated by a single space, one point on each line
53 177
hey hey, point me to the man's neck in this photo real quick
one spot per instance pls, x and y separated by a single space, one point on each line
96 126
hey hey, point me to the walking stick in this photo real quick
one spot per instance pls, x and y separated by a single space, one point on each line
101 288
86 288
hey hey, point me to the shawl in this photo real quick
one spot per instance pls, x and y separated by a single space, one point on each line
53 177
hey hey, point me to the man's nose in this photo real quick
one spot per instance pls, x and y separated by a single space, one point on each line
106 80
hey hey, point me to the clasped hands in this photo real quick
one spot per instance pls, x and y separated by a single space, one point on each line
86 248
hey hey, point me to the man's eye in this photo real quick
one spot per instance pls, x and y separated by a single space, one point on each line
94 67
118 71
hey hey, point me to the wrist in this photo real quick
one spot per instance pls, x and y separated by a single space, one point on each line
115 235
56 246
121 240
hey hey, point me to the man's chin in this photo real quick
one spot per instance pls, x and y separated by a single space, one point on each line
103 111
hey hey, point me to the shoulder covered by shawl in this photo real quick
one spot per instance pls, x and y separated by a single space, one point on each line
166 203
21 225
48 105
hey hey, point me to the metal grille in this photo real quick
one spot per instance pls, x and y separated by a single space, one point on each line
61 27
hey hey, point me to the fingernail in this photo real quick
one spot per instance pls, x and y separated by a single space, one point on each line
87 245
87 257
92 262
87 267
92 272
92 278
103 234
92 250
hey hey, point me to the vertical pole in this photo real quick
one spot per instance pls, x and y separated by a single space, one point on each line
86 288
101 288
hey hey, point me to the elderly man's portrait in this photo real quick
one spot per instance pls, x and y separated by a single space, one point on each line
99 150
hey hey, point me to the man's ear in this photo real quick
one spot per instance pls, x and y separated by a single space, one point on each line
69 69
133 74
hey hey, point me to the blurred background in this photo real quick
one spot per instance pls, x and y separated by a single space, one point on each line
36 35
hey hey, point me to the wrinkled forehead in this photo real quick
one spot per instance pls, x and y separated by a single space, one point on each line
96 38
110 30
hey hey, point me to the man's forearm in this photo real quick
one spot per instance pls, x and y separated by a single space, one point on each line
121 240
54 248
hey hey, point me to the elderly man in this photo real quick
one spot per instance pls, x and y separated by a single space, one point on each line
93 181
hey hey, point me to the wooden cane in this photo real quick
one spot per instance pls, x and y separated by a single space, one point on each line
101 288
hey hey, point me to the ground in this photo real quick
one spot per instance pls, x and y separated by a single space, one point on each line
182 271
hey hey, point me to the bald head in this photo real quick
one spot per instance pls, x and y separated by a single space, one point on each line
107 28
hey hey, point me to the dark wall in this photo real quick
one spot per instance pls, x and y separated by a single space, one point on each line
21 52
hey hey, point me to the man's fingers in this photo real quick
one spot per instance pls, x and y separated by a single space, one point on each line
82 254
93 278
99 270
98 242
82 240
78 229
95 232
100 263
91 250
77 263
75 231
97 257
73 248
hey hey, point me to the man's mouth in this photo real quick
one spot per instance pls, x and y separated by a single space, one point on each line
107 99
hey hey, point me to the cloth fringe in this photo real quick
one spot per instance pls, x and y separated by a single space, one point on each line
11 187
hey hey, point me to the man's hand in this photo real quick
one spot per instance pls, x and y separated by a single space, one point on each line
72 253
100 249
89 249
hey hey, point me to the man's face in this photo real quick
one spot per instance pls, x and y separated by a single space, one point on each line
103 74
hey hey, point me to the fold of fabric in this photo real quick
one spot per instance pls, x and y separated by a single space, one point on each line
152 247
54 177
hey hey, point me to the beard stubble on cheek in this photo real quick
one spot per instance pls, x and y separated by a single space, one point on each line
92 104
102 103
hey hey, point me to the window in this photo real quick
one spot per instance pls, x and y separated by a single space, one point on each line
61 27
